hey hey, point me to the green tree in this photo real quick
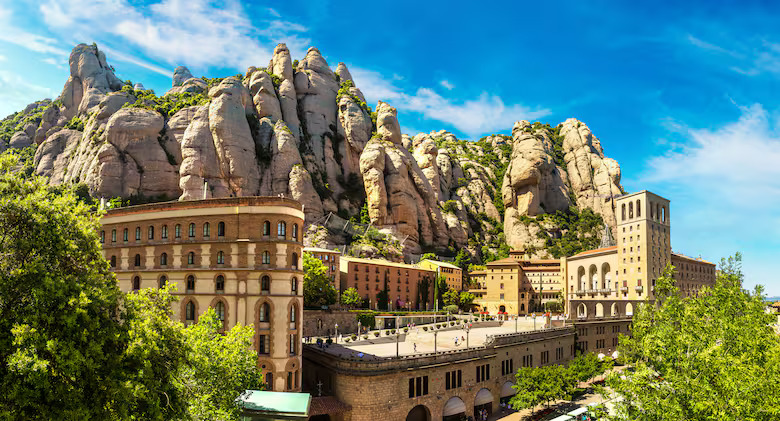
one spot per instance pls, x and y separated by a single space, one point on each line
587 366
441 289
423 292
466 300
220 367
705 357
61 339
317 289
383 296
537 385
351 298
451 298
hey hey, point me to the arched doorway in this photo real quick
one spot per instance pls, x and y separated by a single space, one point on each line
615 311
629 309
502 308
582 311
507 392
454 409
483 402
419 413
599 310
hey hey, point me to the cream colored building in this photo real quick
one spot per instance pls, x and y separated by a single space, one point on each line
452 274
368 277
241 256
517 286
614 279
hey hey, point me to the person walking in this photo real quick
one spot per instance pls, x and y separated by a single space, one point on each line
415 346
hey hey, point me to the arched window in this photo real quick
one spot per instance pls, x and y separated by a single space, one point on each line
220 283
125 235
163 281
265 284
281 229
220 258
189 310
638 208
294 285
206 229
190 283
630 210
221 229
177 231
269 381
266 228
113 236
191 258
295 232
151 233
136 283
266 258
164 232
102 237
191 231
113 261
623 212
293 313
265 313
137 233
220 309
137 261
164 259
295 260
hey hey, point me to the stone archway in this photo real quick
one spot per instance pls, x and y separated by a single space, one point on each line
507 391
615 311
582 311
599 310
629 309
419 413
454 409
483 401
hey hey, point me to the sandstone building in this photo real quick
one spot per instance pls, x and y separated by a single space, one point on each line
405 283
517 286
241 256
452 274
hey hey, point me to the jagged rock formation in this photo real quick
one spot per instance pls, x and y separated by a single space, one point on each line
302 130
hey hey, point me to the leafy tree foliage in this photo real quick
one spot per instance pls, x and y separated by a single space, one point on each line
167 105
317 290
466 300
451 298
351 298
72 346
707 357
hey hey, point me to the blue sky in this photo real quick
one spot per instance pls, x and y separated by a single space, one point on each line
685 97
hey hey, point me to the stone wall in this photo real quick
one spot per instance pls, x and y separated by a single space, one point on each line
322 322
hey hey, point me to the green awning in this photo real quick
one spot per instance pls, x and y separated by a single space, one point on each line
259 405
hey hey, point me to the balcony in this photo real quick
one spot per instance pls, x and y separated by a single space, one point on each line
623 289
639 288
606 291
580 293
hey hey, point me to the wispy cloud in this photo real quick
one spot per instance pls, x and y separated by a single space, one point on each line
753 58
54 62
486 114
725 186
14 90
446 84
195 33
120 56
23 38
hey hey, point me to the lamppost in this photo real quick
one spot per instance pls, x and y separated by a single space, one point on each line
337 333
467 336
516 317
435 336
358 328
397 335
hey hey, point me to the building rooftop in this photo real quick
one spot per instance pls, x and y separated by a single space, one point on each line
596 251
320 250
505 262
442 264
286 404
695 259
381 262
478 272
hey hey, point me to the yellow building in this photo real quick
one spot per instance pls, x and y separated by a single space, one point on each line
613 279
240 256
478 284
516 286
452 274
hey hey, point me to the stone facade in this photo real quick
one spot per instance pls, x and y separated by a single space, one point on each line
389 389
241 256
368 276
452 274
323 322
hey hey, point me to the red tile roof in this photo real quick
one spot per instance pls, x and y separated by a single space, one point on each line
594 251
321 405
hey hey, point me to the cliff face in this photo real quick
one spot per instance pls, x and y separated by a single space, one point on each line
303 130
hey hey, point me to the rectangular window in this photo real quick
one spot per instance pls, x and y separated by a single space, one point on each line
558 353
151 233
545 357
113 236
264 344
452 379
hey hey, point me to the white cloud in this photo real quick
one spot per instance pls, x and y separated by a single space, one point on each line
54 62
2 58
120 56
195 33
724 187
28 40
16 93
446 85
486 114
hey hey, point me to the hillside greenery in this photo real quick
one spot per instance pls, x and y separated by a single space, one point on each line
167 105
16 121
573 231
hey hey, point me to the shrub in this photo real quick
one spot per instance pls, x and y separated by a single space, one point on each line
365 336
354 337
406 329
387 332
452 323
425 328
346 339
376 334
392 331
329 341
75 123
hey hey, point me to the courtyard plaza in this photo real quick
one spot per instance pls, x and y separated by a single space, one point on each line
418 341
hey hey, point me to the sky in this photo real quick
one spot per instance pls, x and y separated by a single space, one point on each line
684 96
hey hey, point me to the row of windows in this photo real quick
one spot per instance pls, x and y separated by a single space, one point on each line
507 367
483 373
418 386
219 284
281 231
453 379
266 256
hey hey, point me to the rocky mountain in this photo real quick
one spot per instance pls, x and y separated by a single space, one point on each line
302 130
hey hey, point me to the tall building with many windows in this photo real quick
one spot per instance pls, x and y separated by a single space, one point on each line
240 256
